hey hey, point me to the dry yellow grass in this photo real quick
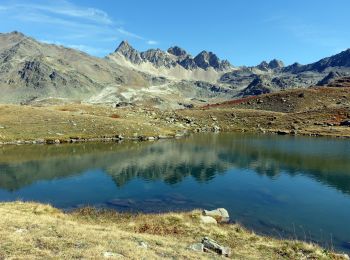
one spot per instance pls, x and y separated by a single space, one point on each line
36 231
73 121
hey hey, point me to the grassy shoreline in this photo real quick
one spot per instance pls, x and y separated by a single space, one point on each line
314 111
83 123
33 230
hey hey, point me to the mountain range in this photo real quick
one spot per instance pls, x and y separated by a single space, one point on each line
35 72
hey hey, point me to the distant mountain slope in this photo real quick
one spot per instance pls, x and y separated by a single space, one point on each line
31 71
341 60
273 76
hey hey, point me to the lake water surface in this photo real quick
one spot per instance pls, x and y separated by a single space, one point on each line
294 187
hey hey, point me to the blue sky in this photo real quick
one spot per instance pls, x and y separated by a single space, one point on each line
242 31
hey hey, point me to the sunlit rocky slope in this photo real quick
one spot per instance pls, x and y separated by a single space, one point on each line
32 72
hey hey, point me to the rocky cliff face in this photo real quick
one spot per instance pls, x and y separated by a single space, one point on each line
174 56
129 52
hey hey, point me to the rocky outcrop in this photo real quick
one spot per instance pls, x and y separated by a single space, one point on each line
129 52
257 87
206 60
158 58
329 78
172 57
276 64
177 51
272 65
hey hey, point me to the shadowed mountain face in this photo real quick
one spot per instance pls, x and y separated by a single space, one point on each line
31 71
173 161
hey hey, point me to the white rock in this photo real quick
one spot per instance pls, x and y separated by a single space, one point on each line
219 214
143 245
208 220
20 230
111 254
199 247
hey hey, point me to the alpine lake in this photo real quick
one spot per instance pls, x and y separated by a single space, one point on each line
282 186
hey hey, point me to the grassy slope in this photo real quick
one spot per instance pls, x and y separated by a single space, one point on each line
318 112
313 111
70 121
32 231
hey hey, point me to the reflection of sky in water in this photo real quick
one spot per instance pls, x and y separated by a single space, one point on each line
274 185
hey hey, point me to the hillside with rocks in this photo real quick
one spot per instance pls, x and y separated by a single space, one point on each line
32 72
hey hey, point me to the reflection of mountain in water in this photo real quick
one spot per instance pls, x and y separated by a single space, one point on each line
201 156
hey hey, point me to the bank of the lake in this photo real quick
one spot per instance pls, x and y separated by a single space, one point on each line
283 113
32 231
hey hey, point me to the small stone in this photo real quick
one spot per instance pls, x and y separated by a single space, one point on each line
216 128
111 254
199 247
20 230
208 220
212 245
143 244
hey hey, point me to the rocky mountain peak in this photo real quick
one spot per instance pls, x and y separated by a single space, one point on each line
206 59
273 64
177 51
158 58
124 46
126 50
174 56
263 66
17 33
276 64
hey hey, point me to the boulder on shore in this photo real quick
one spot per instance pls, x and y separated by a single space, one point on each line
208 220
220 214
